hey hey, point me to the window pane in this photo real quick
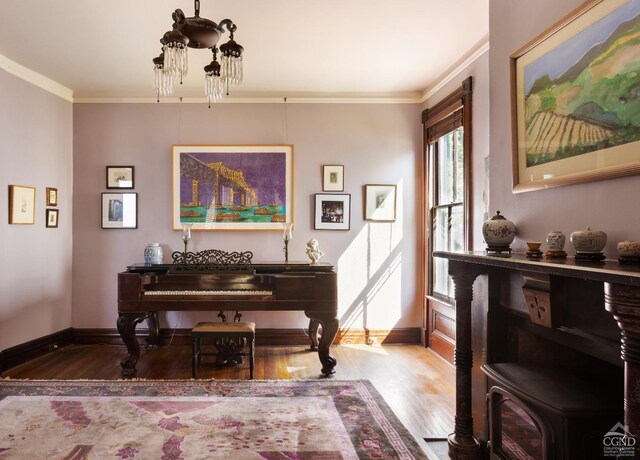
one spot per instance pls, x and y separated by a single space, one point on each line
440 276
446 170
459 155
441 230
457 228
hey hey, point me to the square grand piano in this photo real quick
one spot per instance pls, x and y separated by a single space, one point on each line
215 280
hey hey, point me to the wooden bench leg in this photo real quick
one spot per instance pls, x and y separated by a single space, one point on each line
194 357
252 350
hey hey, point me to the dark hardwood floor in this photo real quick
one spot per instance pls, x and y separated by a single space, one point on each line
416 383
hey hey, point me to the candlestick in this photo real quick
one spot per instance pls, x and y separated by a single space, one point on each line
186 237
287 235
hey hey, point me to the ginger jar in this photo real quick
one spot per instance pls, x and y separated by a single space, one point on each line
498 232
153 254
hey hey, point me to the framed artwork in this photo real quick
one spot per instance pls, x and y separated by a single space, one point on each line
380 202
333 178
52 218
575 107
52 196
232 187
120 177
119 210
332 211
22 204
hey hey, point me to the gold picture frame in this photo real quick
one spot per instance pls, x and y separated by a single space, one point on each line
380 202
574 112
52 196
22 204
333 178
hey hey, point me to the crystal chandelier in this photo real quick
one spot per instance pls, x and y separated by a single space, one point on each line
199 33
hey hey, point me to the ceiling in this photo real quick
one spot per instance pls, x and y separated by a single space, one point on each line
102 49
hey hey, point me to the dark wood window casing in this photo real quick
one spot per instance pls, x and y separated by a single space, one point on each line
453 112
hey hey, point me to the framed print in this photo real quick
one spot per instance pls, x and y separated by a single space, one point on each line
332 211
52 196
22 204
52 218
380 202
120 177
333 178
575 110
232 187
119 210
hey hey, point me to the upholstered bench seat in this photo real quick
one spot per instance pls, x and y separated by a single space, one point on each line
233 337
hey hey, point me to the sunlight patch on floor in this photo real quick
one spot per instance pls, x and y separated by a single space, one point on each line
369 348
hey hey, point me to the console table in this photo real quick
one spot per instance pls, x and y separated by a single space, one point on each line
619 286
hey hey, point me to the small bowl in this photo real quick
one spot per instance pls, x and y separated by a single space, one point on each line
533 245
629 248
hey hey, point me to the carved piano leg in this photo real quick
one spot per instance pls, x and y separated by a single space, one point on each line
462 444
329 324
154 330
127 328
623 302
313 334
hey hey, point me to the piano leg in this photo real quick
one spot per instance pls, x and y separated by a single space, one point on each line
127 329
154 330
329 324
313 334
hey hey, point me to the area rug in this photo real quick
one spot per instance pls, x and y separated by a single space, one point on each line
198 419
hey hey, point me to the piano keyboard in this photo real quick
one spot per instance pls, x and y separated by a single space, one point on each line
205 293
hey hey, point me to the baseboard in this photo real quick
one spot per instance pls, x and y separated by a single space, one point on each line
27 351
19 354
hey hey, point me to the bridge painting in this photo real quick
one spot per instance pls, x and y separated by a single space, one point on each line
232 187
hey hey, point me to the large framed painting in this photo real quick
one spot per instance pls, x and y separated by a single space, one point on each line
232 187
576 98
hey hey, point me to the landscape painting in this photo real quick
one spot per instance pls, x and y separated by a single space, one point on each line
232 187
577 98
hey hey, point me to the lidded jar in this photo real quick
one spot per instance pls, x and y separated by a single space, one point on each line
498 232
588 241
153 254
556 240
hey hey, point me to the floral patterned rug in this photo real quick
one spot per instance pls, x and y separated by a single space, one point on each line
199 419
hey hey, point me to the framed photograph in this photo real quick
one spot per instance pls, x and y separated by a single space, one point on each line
52 196
232 187
333 178
52 218
575 109
120 177
380 202
22 204
119 210
332 211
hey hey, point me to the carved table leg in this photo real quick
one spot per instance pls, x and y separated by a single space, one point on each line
154 330
313 334
329 323
624 303
462 444
127 328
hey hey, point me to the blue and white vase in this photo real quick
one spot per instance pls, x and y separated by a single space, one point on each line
153 254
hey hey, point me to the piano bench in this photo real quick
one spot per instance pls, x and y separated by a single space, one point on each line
230 339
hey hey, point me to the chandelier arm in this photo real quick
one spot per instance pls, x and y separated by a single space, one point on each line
196 7
178 19
231 27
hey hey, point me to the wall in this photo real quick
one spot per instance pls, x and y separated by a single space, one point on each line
377 143
605 205
479 70
35 273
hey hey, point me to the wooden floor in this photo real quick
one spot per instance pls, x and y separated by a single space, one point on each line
416 383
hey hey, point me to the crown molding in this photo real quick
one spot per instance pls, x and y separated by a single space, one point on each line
250 100
474 53
35 78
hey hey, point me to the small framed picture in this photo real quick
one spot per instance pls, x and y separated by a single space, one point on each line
333 178
52 218
332 211
22 204
380 202
119 210
120 177
52 196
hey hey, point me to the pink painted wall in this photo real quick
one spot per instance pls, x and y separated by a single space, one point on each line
35 262
609 205
479 71
377 143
